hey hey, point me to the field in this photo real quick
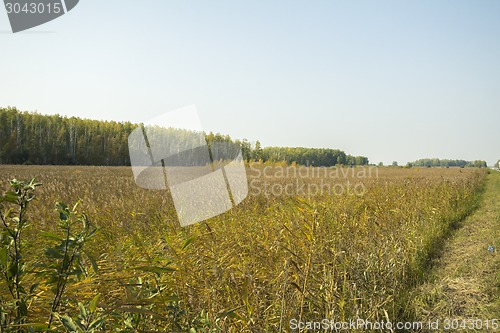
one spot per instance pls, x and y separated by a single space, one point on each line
306 244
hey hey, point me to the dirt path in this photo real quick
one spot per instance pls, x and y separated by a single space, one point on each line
465 283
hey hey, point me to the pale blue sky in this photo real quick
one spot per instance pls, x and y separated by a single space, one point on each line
391 80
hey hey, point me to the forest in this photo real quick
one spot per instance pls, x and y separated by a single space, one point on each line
436 162
32 138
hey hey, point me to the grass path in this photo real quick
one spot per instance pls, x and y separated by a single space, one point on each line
465 280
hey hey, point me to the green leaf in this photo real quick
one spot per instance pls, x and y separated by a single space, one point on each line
230 313
64 212
83 311
95 268
12 271
9 213
93 303
68 323
23 309
76 205
53 253
171 299
95 324
187 242
10 197
34 287
92 232
61 206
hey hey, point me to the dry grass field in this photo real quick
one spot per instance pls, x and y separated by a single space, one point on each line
306 244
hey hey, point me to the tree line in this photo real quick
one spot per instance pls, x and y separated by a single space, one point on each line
32 138
311 156
436 162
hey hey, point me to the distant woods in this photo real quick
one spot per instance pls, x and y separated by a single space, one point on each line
32 138
436 162
308 156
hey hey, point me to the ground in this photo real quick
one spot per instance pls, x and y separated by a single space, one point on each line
465 280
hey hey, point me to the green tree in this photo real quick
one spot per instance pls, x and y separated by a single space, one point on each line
246 150
12 262
257 151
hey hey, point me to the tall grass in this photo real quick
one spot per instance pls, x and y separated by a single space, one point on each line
269 260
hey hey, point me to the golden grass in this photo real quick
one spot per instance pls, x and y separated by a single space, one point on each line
268 260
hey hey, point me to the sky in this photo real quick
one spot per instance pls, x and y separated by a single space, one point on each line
390 80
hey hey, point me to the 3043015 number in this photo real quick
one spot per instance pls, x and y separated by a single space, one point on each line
33 8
